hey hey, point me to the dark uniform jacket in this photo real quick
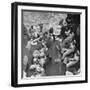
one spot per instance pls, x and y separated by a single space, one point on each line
53 68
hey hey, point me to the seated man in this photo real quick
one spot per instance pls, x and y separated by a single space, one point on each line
73 63
67 51
73 60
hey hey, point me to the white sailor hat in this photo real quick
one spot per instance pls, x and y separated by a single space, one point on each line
36 53
57 30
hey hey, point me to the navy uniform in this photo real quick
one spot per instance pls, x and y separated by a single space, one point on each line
52 67
30 57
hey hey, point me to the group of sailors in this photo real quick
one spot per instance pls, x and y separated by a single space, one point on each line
53 52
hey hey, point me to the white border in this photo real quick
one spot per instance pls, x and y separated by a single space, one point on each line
82 55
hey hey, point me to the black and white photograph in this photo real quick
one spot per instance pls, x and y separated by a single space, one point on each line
51 44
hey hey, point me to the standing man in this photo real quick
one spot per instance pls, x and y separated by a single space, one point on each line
54 65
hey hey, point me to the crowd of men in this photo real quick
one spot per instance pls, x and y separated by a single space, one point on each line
55 51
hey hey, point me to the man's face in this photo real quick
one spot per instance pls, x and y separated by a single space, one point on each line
67 32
